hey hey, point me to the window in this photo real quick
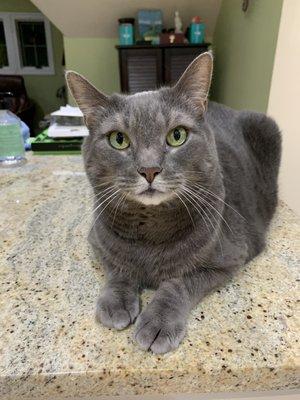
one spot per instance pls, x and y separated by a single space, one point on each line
3 47
25 44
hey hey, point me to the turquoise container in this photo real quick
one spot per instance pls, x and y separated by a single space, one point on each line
197 33
126 32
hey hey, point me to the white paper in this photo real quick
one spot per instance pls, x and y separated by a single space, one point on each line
59 131
68 111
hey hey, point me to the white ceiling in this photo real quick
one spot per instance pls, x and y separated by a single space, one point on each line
98 18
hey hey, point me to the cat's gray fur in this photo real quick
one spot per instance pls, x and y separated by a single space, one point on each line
183 247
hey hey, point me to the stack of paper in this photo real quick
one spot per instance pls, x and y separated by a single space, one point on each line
62 123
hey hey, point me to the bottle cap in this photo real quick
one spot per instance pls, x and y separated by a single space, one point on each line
126 21
196 20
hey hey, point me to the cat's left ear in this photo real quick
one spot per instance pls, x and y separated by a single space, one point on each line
196 79
88 98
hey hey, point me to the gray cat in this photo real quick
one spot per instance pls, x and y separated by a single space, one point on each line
184 193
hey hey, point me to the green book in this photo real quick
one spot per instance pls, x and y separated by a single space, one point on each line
43 144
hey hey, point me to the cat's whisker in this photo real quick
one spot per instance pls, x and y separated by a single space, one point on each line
114 196
102 191
197 207
93 195
224 202
96 198
209 192
186 207
122 197
210 205
93 198
91 212
218 223
191 195
103 183
113 180
100 195
205 203
107 196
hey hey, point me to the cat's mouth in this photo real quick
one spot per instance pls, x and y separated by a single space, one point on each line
150 191
152 196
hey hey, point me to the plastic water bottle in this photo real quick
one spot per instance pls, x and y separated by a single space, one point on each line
12 150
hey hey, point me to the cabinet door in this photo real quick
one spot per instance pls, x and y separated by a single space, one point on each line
141 69
177 60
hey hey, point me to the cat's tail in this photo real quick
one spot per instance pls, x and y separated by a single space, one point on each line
264 138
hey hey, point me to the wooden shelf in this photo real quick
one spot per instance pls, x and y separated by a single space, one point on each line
147 67
163 46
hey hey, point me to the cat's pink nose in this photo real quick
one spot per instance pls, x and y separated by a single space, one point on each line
149 173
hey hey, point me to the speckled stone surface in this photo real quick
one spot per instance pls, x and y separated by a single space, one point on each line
243 337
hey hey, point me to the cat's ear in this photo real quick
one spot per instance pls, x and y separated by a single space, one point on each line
196 79
87 97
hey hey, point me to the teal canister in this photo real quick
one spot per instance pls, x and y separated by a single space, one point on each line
126 31
197 33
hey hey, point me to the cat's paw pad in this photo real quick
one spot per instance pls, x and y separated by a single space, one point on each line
157 334
117 313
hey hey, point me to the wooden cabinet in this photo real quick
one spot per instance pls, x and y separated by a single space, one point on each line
148 67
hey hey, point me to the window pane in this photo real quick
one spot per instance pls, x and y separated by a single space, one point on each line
32 43
28 56
42 56
3 49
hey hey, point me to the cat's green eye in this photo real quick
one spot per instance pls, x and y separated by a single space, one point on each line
118 140
177 136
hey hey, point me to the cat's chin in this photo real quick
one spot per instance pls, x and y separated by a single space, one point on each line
153 198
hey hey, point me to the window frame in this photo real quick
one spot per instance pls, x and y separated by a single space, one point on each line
11 55
13 47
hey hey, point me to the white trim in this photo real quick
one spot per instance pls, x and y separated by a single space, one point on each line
11 36
11 54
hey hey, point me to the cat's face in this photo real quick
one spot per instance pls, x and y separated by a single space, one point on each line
150 145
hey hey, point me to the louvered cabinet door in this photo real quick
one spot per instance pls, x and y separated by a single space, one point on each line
141 69
177 60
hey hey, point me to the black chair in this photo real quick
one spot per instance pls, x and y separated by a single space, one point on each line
13 97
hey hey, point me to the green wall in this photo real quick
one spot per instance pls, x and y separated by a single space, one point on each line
96 59
41 88
244 46
17 6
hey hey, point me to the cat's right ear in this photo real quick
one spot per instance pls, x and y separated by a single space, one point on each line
88 98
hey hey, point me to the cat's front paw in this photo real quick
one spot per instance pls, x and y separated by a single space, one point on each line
117 311
158 333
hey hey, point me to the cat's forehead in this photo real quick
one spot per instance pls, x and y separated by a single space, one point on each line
148 109
145 93
145 101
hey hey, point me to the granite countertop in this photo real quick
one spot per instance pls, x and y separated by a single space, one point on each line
241 338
